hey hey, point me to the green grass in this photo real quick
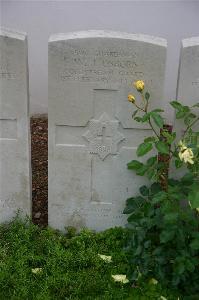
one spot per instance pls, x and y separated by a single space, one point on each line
71 266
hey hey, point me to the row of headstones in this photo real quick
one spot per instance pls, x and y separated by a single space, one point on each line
91 132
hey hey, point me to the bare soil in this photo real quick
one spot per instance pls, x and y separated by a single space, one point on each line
39 161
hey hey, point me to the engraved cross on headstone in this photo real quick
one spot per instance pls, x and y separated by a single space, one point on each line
101 137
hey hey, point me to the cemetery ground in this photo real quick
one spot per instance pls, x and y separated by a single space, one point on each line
45 264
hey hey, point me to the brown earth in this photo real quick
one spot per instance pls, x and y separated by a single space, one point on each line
39 161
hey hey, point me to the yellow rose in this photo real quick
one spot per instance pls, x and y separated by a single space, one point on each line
139 85
186 155
131 98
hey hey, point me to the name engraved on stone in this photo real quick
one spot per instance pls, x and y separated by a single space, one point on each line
8 129
79 51
196 82
94 208
100 211
6 72
8 203
99 66
7 75
98 75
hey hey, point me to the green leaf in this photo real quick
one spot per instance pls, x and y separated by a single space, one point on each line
138 119
157 119
129 209
155 188
134 165
170 217
150 173
150 139
195 244
144 191
193 196
176 105
145 118
142 170
196 105
144 148
162 147
166 236
186 108
132 204
189 118
139 201
157 110
151 161
147 96
180 268
170 137
159 197
187 179
129 201
180 114
173 182
178 163
189 265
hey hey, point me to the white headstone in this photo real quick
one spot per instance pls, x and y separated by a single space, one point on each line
91 132
188 78
14 126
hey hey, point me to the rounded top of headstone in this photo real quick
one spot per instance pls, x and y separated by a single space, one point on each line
190 42
12 34
108 34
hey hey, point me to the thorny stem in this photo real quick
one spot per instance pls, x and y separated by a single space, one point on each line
153 129
146 105
146 111
139 107
163 177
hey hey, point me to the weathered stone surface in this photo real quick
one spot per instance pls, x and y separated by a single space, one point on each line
188 79
91 132
14 126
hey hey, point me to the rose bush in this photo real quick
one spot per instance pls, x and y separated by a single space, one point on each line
163 219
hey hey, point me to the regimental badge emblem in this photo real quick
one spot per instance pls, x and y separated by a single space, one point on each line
103 136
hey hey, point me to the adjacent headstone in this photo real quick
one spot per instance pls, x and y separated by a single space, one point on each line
188 79
14 124
91 132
